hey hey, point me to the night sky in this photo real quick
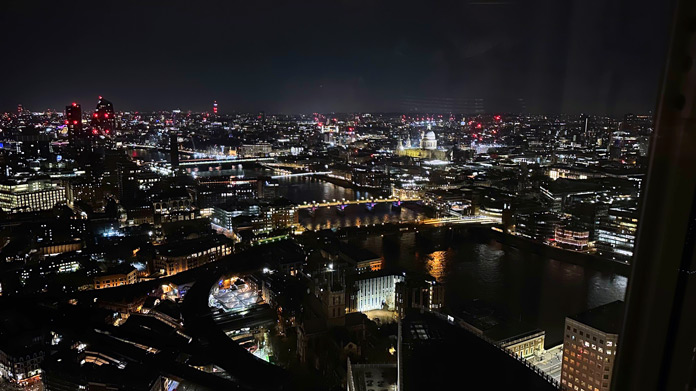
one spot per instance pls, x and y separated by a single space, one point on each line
597 56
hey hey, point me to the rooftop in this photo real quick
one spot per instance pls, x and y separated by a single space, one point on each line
357 254
437 355
186 247
607 318
375 377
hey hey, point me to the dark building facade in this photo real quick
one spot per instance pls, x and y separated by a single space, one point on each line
73 119
103 119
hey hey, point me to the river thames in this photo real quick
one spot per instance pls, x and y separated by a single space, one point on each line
538 290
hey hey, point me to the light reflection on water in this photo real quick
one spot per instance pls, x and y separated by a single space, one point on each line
355 216
435 264
538 290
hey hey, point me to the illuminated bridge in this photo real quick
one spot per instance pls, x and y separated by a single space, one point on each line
371 202
195 162
480 219
160 148
293 174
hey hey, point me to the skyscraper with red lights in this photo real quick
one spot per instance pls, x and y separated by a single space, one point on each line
73 120
215 107
103 119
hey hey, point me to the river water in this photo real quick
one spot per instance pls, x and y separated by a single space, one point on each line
520 285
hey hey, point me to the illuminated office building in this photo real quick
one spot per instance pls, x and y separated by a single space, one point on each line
29 195
589 348
572 238
616 234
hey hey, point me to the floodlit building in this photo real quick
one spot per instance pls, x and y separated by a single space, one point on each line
425 147
375 291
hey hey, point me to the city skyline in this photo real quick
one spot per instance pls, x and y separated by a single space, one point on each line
347 195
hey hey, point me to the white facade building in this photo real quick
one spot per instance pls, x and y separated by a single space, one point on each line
376 291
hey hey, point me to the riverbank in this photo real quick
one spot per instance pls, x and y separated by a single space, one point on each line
583 259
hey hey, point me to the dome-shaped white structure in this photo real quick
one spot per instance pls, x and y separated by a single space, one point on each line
429 141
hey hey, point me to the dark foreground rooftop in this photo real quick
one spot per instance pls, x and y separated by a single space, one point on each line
607 318
438 355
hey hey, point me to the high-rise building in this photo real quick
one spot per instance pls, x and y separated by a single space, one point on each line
103 119
215 107
589 347
174 150
616 234
127 185
73 119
